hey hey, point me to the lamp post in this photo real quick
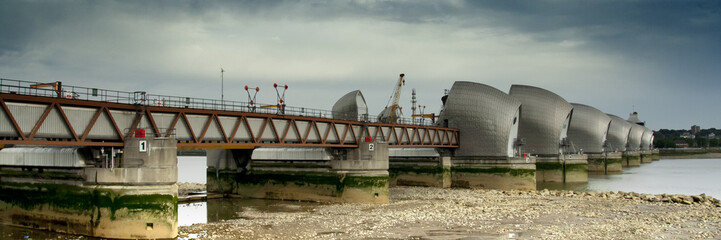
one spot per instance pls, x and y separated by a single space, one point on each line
222 101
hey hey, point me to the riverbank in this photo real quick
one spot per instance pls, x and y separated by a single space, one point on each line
692 156
435 213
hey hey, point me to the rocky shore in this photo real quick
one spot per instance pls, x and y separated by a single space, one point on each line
433 213
185 188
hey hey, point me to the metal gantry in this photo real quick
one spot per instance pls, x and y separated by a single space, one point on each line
46 119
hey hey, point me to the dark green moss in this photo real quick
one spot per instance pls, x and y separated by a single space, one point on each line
394 171
364 182
549 166
496 171
337 182
82 200
576 167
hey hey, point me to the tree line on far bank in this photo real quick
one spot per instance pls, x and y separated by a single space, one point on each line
667 138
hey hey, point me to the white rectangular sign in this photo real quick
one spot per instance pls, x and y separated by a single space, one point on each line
143 146
371 147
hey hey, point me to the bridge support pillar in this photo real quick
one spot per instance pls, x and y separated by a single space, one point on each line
137 198
655 155
494 173
609 162
614 162
631 159
646 156
571 168
419 167
311 174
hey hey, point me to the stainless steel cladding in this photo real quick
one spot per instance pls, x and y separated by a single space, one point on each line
618 131
42 157
588 129
544 119
487 117
351 106
646 139
634 137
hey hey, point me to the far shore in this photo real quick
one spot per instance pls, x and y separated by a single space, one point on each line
692 156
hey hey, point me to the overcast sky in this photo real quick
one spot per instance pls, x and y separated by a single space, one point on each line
663 57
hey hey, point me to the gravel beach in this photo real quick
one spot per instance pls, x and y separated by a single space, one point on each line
433 213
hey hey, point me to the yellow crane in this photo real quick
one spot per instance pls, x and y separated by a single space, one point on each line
392 113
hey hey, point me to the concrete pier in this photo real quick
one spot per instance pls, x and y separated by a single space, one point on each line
596 162
614 162
655 155
419 167
494 173
317 174
631 159
646 156
572 168
610 162
68 190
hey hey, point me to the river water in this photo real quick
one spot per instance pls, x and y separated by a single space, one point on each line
672 176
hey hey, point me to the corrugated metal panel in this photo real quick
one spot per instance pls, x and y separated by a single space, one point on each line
618 133
351 107
79 118
543 114
103 128
6 127
485 117
41 157
634 137
291 154
124 119
26 114
588 128
54 126
413 152
646 139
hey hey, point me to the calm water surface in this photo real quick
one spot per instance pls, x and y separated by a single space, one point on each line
672 176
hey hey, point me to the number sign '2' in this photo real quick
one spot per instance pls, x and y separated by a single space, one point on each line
371 147
143 146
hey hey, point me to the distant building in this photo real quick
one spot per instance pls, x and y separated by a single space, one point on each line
688 135
680 143
695 129
633 118
711 135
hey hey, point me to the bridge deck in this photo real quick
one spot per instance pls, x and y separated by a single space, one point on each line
44 119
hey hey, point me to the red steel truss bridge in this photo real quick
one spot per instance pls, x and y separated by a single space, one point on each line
51 114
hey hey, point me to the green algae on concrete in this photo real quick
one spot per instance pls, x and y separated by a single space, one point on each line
506 173
596 164
632 160
576 172
614 165
368 187
90 210
425 176
646 157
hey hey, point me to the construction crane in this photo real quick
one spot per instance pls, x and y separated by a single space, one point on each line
392 113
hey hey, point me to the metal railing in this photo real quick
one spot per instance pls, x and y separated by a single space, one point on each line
22 87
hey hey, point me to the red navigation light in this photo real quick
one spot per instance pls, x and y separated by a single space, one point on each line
140 133
246 87
525 154
257 89
369 139
281 101
286 86
275 85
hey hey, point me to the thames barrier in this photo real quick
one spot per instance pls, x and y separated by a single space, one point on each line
80 160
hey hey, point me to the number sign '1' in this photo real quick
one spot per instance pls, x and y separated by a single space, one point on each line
143 146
